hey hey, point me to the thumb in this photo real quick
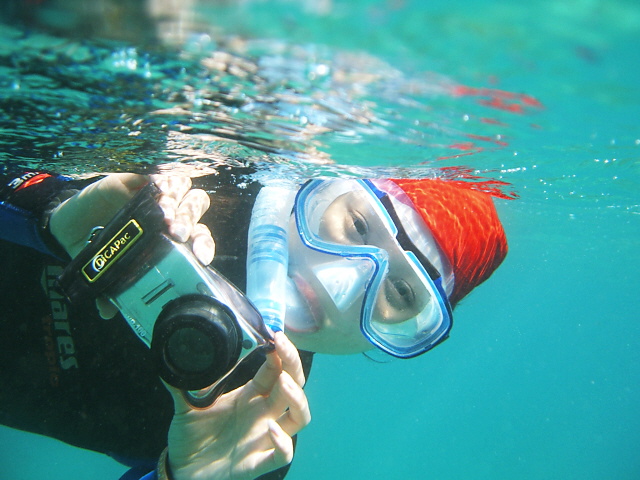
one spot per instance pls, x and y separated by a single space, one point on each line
112 192
71 222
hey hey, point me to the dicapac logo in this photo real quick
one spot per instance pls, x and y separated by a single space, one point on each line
112 251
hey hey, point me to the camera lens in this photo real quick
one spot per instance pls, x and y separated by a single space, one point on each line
196 340
190 350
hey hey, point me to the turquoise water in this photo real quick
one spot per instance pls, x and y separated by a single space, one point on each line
541 376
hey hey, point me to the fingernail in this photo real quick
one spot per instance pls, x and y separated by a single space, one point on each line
204 249
203 253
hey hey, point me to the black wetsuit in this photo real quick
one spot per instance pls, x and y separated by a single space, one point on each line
67 373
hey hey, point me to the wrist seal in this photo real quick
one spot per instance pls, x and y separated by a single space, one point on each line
164 472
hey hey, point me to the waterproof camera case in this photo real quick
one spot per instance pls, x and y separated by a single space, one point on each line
198 325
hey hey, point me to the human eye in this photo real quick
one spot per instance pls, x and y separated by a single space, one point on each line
401 293
397 301
345 222
357 228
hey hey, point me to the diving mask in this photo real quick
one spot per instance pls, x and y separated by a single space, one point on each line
352 242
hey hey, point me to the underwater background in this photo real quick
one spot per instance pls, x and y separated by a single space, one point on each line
537 100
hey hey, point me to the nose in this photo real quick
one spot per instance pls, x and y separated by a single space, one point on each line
345 280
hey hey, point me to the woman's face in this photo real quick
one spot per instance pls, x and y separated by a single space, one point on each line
333 323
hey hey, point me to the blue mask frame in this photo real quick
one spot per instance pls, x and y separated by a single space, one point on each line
387 341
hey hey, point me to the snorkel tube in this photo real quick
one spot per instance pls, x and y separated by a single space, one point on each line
268 252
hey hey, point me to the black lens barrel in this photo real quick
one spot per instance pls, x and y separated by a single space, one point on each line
196 341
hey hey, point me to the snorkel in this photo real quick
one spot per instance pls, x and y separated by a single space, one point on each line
268 252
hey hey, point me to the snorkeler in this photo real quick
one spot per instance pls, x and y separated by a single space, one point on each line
371 264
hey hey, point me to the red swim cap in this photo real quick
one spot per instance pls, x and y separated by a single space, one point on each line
466 226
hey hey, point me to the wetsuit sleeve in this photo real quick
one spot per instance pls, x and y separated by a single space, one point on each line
26 200
136 474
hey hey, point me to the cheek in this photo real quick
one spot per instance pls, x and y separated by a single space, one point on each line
342 322
335 335
343 329
331 341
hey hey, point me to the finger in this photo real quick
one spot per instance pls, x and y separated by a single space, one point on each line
287 394
173 189
189 211
297 417
290 356
172 186
267 376
116 189
283 445
95 205
106 309
202 244
194 204
169 205
278 456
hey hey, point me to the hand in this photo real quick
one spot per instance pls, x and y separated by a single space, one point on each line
246 432
72 222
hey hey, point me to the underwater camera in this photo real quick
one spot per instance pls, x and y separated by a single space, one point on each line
198 325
